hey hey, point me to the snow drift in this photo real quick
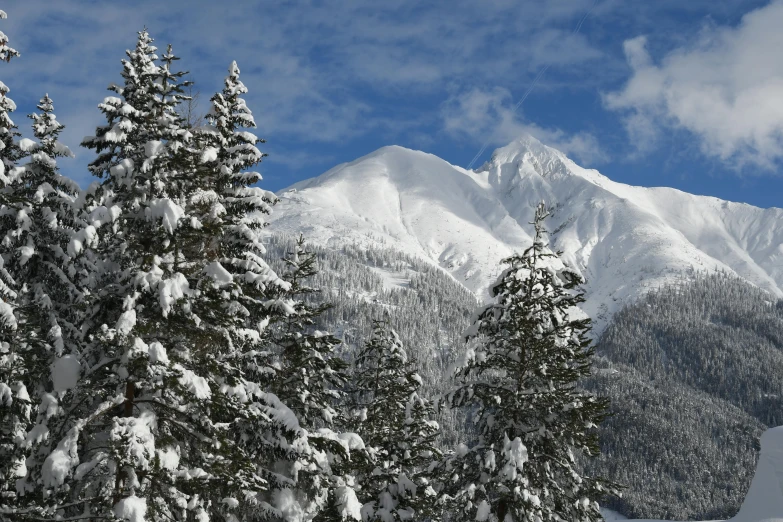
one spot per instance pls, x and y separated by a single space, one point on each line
764 501
625 240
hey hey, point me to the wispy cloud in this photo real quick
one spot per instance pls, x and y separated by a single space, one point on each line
489 115
315 70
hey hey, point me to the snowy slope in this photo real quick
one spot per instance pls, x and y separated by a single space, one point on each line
764 500
625 240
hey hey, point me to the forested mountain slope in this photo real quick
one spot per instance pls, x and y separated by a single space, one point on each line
690 371
694 373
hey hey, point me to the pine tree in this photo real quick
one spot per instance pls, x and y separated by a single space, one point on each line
311 381
243 294
38 248
10 153
398 430
36 255
520 387
312 376
166 417
15 366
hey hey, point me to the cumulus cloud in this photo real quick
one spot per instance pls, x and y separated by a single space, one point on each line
488 115
726 87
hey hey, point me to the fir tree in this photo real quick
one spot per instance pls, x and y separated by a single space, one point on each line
312 376
246 295
10 153
520 386
49 298
398 430
15 334
39 248
311 381
166 417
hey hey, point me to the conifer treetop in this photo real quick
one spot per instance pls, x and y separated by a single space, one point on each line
529 348
398 429
9 151
6 52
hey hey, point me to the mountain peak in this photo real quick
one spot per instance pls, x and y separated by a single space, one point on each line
625 240
526 158
525 144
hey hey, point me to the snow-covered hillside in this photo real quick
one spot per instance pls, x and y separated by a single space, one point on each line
625 240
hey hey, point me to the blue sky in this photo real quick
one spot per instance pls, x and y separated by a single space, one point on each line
687 94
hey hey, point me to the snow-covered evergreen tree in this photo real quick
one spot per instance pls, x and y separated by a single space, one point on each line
520 386
165 416
36 243
397 429
312 375
311 381
45 219
15 333
246 294
9 150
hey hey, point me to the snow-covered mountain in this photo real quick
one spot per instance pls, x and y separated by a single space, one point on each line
625 240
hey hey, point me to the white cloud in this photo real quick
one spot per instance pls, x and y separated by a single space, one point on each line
726 87
488 115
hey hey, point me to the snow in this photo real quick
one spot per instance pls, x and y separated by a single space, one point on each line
124 167
65 373
347 504
351 441
131 509
217 272
169 458
65 457
6 395
172 290
764 500
209 154
135 439
61 461
167 211
624 240
290 508
7 317
126 322
515 455
610 514
483 511
195 384
27 145
392 280
153 148
80 239
158 353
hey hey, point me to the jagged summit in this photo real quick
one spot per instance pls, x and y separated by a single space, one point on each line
524 149
625 240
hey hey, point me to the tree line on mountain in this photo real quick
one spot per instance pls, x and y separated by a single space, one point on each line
154 366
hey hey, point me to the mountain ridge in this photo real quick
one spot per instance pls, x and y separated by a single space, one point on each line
625 240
